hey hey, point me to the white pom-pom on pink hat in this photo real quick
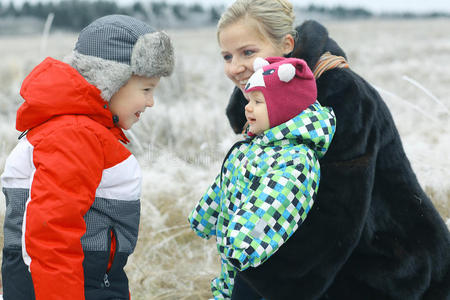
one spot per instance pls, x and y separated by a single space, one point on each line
286 72
259 63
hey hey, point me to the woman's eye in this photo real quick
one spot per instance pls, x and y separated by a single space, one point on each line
227 57
248 52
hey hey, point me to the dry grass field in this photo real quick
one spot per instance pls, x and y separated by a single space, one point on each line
181 141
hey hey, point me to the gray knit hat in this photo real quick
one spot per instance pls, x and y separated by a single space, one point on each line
114 47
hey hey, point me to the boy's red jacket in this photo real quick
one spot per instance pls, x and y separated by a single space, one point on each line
72 190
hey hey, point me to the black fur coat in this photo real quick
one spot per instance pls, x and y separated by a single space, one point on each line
372 233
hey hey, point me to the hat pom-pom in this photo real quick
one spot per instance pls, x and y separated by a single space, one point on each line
286 72
259 63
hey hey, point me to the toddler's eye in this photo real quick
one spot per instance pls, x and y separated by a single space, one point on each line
268 72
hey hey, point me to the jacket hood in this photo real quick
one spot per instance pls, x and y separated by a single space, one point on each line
53 89
314 127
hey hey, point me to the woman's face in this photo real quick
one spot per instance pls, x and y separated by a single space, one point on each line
241 42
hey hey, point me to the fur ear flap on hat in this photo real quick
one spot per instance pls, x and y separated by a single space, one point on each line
113 48
106 75
157 46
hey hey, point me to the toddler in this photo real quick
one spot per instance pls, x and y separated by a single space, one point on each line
267 182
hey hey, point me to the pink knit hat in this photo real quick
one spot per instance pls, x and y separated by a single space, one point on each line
288 86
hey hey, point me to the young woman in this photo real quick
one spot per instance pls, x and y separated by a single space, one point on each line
373 233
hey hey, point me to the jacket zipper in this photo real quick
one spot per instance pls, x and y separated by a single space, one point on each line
106 280
112 251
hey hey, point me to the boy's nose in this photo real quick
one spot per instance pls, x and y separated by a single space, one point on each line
248 107
150 102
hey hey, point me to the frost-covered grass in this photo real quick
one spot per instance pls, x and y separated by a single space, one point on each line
181 141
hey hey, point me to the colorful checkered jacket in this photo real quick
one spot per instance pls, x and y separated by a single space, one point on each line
264 191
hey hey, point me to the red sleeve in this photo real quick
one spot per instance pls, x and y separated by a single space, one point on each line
69 165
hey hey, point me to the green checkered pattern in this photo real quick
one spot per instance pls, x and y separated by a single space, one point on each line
264 192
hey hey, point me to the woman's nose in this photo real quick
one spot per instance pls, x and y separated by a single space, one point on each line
237 67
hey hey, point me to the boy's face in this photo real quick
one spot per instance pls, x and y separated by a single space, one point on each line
132 99
256 113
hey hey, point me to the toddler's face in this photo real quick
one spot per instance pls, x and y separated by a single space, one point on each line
132 99
256 113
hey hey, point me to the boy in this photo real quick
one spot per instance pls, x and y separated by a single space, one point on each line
72 189
268 182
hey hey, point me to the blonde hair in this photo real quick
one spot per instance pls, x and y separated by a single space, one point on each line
274 18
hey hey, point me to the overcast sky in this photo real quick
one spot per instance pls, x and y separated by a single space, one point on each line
375 6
